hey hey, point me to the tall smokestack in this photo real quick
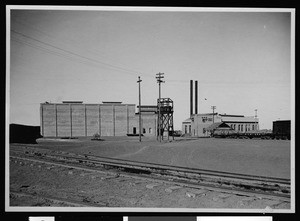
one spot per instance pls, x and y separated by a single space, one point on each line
191 97
196 97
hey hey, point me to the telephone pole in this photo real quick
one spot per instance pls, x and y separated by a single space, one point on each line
159 81
140 121
213 108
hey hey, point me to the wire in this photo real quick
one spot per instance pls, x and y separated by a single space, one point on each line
55 53
75 54
68 41
51 52
70 55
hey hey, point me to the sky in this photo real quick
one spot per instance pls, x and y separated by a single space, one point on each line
241 60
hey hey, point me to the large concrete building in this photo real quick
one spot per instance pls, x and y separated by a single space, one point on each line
76 119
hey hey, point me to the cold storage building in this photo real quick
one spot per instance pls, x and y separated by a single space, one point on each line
76 119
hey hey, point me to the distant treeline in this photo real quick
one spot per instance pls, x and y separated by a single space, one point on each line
19 133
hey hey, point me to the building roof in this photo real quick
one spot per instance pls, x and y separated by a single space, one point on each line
72 102
239 119
111 102
218 125
206 114
231 115
189 120
81 103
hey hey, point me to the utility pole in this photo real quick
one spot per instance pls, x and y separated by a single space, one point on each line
213 108
140 121
159 81
256 126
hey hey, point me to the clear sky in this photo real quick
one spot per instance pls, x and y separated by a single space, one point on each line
240 59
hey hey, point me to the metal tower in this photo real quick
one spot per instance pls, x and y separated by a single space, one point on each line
165 122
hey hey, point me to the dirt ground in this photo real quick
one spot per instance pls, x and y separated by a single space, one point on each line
258 157
107 190
247 156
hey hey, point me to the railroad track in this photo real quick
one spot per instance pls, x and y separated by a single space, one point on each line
239 184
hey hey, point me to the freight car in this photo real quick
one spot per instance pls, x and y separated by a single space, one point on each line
282 129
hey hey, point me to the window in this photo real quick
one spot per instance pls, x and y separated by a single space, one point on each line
134 130
185 130
242 127
204 119
204 130
239 128
252 126
150 130
144 130
190 129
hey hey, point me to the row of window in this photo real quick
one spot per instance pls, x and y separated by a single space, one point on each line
204 119
240 127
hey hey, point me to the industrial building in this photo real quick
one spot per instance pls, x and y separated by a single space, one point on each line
76 119
203 125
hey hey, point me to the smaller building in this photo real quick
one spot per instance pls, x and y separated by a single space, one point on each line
198 125
219 129
187 127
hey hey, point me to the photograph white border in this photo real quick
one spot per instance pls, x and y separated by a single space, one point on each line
157 9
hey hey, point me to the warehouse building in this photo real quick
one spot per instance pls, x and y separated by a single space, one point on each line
76 119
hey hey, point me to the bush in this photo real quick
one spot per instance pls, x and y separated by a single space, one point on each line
96 136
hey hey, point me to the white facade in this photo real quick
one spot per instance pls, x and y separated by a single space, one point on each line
199 122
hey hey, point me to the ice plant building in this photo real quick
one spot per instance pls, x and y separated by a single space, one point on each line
200 125
203 124
77 119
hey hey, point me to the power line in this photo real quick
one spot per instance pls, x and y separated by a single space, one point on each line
60 55
213 108
73 53
97 52
50 51
140 120
159 81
